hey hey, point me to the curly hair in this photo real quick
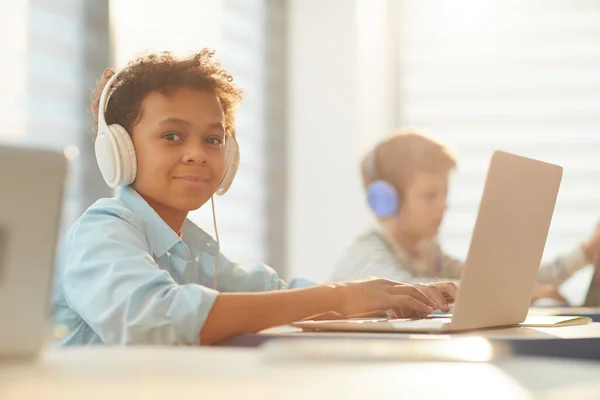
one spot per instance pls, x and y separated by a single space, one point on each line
164 73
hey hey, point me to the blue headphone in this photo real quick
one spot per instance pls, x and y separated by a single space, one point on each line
383 198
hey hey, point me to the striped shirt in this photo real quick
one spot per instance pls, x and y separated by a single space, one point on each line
373 255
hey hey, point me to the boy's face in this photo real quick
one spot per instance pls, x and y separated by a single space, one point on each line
178 141
424 203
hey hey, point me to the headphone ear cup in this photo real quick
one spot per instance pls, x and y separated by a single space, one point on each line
232 161
383 199
115 156
126 153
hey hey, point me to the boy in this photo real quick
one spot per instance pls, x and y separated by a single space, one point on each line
134 270
406 177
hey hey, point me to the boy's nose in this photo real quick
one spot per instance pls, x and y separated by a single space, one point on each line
194 154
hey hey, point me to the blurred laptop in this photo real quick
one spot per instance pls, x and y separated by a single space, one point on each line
32 184
504 256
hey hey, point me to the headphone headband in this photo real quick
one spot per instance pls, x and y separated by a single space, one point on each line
105 96
370 165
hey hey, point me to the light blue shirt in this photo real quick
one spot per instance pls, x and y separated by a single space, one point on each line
125 277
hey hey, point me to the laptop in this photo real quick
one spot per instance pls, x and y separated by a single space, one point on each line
32 184
504 255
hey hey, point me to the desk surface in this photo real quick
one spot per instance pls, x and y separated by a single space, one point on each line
591 330
592 312
189 372
547 342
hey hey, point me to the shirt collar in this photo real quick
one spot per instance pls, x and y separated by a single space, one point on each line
193 235
160 235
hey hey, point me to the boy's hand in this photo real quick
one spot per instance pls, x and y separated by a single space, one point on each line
398 299
547 291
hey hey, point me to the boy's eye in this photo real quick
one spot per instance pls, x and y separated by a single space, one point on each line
214 141
172 137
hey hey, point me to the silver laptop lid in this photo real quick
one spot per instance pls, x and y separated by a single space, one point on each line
507 243
30 202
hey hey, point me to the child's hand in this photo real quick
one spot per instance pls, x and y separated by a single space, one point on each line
547 291
398 299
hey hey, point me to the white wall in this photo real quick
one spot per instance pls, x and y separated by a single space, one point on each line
341 101
528 82
180 26
13 71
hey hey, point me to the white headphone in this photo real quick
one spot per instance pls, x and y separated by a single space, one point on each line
115 153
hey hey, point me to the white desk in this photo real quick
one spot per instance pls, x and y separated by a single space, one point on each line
591 330
523 341
219 373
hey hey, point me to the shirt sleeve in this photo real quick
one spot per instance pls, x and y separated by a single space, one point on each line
233 277
112 281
